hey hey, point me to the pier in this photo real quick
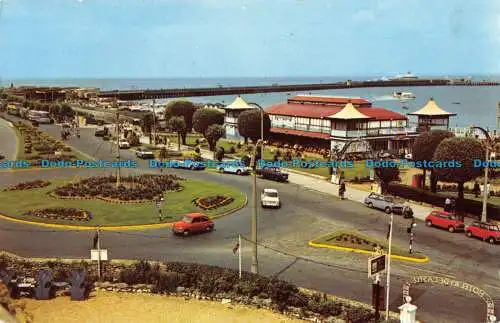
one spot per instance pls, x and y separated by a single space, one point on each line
149 94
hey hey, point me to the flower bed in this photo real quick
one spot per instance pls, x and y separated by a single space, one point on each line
68 214
212 202
138 188
28 185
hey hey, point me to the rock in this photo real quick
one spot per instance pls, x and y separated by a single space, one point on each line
180 289
267 302
226 301
139 286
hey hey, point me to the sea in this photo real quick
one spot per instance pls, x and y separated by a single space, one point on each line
473 105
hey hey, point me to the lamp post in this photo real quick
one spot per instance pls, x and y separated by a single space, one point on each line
389 269
490 146
253 164
261 128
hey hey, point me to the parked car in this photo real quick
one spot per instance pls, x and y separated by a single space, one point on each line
123 144
188 164
388 204
143 153
193 223
445 220
102 132
272 173
234 167
486 231
269 197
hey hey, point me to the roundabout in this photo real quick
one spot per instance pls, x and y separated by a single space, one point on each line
98 202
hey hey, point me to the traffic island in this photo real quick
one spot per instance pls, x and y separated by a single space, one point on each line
354 241
25 205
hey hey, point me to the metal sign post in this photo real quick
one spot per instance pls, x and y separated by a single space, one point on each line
376 265
159 205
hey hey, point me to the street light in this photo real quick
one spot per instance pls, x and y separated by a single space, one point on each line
253 164
490 146
261 128
389 269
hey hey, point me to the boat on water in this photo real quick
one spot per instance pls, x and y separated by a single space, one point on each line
405 107
455 102
403 95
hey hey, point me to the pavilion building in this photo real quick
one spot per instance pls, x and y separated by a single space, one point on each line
432 117
331 122
231 114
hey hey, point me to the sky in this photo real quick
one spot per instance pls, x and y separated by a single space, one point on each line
253 38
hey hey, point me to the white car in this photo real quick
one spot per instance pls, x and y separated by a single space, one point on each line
270 198
144 153
123 144
234 167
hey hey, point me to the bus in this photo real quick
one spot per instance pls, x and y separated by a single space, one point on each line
39 116
13 108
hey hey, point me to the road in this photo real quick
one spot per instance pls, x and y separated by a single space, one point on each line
305 215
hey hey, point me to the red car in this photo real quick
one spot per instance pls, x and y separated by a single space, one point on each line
193 223
445 220
487 231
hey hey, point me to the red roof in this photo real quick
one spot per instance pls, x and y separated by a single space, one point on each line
322 111
301 133
329 100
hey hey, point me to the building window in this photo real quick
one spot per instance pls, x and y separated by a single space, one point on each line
373 124
385 124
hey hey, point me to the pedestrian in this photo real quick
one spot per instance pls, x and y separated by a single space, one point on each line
476 190
453 205
447 204
342 189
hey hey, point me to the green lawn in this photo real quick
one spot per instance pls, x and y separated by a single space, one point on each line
368 244
177 204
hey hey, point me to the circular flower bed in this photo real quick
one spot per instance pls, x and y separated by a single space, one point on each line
132 188
61 213
212 202
28 185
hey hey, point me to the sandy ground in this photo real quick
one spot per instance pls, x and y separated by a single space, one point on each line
108 307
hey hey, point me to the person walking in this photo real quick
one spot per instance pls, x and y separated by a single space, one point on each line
447 205
476 189
342 189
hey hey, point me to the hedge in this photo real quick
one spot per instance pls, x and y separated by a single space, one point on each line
463 205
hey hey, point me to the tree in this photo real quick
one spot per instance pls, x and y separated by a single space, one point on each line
204 118
213 134
147 125
386 175
462 150
249 124
184 109
424 148
67 111
177 124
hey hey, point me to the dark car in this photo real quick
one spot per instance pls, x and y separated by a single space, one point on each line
272 173
101 132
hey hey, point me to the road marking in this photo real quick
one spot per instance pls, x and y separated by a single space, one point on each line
428 271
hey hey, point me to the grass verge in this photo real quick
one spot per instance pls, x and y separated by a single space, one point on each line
177 204
352 240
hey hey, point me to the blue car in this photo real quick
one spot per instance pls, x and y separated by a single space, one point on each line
188 164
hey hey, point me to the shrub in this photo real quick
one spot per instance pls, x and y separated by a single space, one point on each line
238 145
197 150
219 154
246 160
232 150
167 282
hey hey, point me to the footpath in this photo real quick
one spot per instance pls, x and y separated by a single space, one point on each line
320 184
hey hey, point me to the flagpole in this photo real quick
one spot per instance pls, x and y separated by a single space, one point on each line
239 252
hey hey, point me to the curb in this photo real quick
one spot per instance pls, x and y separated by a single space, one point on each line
112 228
403 258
